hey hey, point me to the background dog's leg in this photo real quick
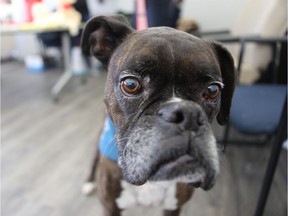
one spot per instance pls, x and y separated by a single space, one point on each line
109 177
91 177
90 185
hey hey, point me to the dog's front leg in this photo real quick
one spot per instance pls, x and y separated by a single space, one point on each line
183 194
109 186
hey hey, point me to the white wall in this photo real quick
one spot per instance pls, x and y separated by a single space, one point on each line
212 14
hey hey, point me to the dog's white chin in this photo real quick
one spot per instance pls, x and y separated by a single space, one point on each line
151 194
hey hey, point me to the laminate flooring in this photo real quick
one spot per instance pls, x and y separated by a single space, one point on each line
47 149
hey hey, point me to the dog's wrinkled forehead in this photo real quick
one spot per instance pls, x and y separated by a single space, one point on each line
168 54
164 49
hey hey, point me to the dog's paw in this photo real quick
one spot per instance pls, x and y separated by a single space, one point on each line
88 188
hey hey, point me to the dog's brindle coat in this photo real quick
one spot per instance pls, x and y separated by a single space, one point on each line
164 88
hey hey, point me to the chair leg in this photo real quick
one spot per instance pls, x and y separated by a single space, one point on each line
272 163
225 136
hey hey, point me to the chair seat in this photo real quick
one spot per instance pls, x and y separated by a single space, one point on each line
256 109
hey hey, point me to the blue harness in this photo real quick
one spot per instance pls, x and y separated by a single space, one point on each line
107 144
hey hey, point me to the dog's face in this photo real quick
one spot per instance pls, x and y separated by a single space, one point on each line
163 90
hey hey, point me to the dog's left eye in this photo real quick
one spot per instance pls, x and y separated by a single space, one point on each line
130 86
212 92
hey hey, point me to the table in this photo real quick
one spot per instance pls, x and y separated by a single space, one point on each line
65 39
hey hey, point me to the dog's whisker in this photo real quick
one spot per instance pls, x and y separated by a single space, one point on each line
123 139
113 146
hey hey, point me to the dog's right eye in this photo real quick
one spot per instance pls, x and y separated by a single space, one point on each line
130 86
212 92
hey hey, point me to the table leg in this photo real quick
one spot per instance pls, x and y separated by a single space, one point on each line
64 79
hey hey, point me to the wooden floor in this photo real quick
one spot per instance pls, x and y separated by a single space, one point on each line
47 149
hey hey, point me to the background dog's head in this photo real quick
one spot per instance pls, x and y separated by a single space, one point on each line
163 90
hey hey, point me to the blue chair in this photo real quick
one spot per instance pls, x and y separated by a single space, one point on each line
261 109
256 109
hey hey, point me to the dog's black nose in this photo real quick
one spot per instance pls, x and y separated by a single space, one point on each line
186 114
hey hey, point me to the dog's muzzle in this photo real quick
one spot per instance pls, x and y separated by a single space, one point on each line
175 144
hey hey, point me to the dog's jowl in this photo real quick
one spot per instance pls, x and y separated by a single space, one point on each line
164 88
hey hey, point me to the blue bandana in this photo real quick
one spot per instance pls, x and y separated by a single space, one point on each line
107 144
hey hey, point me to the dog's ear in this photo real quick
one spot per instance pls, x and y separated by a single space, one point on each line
102 34
229 77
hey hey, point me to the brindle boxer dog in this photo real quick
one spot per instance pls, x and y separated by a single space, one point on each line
163 90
